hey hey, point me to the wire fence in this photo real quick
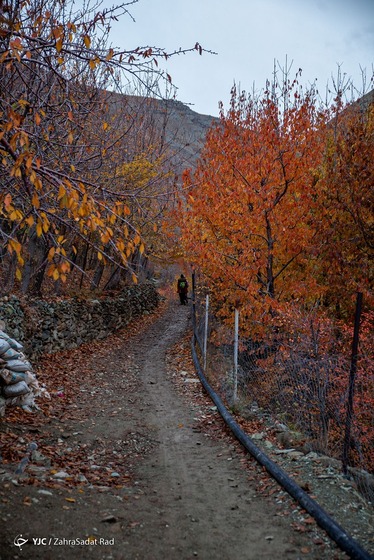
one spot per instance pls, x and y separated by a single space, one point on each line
301 376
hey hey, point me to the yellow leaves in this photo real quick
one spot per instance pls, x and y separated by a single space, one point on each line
15 215
14 245
58 32
42 225
87 41
64 267
59 271
112 219
139 172
59 44
70 25
83 210
105 125
35 180
94 62
45 222
35 201
28 163
64 202
105 238
120 245
61 192
129 250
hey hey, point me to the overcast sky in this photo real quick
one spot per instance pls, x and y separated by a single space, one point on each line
248 35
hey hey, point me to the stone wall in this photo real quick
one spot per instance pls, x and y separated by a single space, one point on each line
48 326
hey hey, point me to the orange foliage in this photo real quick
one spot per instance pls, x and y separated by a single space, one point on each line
346 208
250 218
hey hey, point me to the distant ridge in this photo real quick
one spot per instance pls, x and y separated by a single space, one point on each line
182 129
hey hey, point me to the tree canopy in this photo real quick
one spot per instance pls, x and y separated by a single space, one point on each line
279 209
81 171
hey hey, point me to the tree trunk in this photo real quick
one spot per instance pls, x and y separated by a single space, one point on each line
270 260
36 264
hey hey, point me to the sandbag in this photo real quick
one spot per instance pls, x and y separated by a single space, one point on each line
16 390
18 365
4 346
15 344
26 401
10 377
11 341
31 381
10 354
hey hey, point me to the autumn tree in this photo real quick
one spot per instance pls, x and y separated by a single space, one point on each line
346 202
58 127
250 218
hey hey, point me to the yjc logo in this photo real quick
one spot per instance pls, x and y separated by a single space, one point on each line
20 541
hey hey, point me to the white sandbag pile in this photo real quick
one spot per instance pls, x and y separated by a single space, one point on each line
18 383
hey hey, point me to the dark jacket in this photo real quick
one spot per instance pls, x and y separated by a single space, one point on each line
182 285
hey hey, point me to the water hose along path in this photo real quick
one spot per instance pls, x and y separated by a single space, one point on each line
333 529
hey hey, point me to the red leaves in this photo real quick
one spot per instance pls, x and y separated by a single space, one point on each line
250 225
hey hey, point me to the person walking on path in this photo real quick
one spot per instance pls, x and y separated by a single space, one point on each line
182 289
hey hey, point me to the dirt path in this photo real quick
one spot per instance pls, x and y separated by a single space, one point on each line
180 494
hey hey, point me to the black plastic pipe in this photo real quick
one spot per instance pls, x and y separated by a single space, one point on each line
344 541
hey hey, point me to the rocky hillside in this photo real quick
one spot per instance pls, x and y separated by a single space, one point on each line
185 129
171 124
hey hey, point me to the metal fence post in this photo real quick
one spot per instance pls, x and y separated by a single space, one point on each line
206 330
351 387
194 304
236 347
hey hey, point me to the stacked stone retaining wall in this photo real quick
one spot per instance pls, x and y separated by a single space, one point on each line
44 326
